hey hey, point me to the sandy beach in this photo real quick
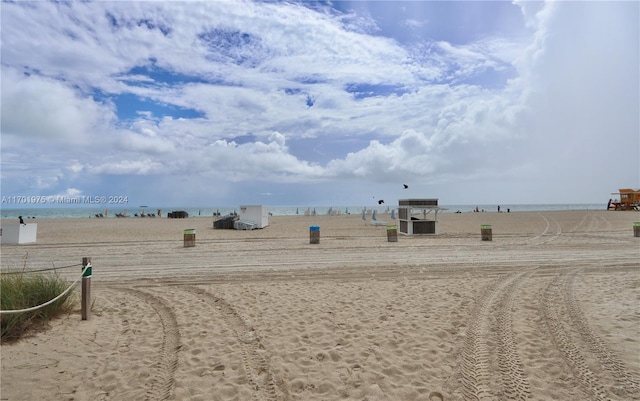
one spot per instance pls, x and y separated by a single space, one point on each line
547 310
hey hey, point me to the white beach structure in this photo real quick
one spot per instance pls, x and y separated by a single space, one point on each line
253 216
16 233
419 224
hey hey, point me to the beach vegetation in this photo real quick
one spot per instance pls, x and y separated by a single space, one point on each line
26 290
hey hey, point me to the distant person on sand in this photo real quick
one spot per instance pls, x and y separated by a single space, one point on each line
498 208
22 221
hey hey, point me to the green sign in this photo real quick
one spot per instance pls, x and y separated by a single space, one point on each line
87 270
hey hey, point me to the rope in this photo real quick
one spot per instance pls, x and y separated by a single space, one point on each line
8 312
41 270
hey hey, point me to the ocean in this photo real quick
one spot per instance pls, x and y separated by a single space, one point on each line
210 211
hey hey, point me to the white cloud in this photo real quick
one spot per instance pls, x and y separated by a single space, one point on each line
134 167
414 23
42 108
267 160
492 108
412 152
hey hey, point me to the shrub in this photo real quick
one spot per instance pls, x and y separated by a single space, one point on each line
24 290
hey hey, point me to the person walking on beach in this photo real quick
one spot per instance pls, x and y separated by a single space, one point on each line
22 221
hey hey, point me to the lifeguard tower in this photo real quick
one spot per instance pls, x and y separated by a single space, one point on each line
629 200
416 218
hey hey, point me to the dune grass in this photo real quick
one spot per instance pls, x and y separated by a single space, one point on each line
25 290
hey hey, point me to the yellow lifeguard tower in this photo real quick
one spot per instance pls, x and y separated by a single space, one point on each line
629 200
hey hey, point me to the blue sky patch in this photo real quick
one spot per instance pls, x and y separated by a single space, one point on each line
490 78
129 106
132 23
161 76
310 101
361 91
292 91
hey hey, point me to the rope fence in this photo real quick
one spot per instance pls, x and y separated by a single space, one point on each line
40 270
85 270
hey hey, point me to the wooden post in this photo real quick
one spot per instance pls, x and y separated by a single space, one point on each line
86 289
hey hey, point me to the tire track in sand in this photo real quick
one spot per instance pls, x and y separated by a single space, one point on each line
515 383
583 352
534 240
165 368
476 361
625 384
254 356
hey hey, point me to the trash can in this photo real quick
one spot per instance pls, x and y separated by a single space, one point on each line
314 234
485 232
189 237
636 229
392 233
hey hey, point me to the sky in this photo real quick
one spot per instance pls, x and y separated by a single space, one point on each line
221 103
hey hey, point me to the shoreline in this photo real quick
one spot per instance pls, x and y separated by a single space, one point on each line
90 212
